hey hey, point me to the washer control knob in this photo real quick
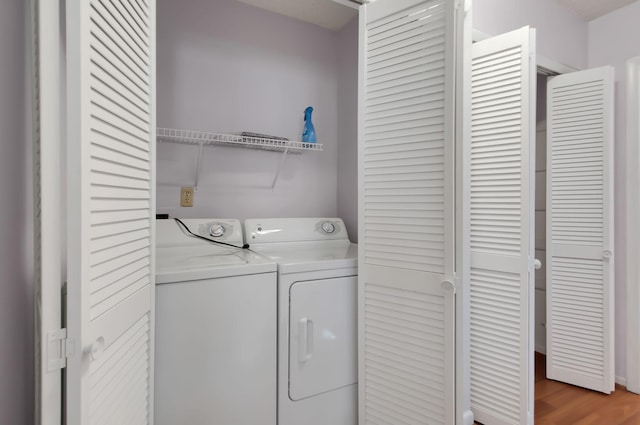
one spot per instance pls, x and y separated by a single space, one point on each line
328 227
216 230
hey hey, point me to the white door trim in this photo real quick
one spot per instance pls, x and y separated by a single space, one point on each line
633 246
46 98
464 414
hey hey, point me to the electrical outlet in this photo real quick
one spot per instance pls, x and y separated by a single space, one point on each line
186 197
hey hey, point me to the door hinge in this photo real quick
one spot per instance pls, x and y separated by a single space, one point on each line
59 349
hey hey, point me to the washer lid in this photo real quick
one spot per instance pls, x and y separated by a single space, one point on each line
180 264
188 258
295 257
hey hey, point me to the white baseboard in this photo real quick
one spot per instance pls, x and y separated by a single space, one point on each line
541 349
621 381
633 390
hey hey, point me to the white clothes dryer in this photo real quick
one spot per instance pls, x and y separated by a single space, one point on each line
215 360
317 317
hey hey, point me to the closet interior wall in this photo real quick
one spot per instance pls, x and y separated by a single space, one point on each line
224 66
348 127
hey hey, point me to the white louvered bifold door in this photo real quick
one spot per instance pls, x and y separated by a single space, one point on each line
502 176
111 179
580 296
406 227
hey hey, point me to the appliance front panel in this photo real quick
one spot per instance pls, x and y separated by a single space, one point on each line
216 345
322 336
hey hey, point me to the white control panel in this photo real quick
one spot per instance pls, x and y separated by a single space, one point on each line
294 230
218 230
170 233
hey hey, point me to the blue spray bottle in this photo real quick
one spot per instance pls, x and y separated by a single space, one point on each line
309 133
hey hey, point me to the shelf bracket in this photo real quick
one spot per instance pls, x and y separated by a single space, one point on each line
195 186
283 159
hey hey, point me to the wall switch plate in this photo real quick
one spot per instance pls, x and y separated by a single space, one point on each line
186 197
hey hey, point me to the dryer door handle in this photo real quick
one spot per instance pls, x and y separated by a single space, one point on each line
305 340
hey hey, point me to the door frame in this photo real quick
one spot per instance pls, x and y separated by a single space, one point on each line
464 414
633 246
46 81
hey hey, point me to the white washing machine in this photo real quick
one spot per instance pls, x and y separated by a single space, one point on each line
317 317
215 356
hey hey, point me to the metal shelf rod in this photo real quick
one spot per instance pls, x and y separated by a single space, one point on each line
283 159
195 187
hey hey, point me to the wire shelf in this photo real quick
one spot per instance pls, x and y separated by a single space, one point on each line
192 137
202 138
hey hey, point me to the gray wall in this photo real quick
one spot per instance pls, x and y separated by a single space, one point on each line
561 33
224 66
613 39
16 228
348 127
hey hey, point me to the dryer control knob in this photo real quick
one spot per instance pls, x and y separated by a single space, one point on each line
216 230
328 227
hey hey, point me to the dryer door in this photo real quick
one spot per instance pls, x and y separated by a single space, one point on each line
322 336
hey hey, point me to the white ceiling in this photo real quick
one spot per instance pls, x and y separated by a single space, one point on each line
332 15
325 13
592 9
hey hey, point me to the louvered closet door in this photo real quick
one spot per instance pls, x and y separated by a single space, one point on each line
502 175
111 155
406 234
580 296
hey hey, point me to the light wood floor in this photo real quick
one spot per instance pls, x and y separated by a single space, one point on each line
561 404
